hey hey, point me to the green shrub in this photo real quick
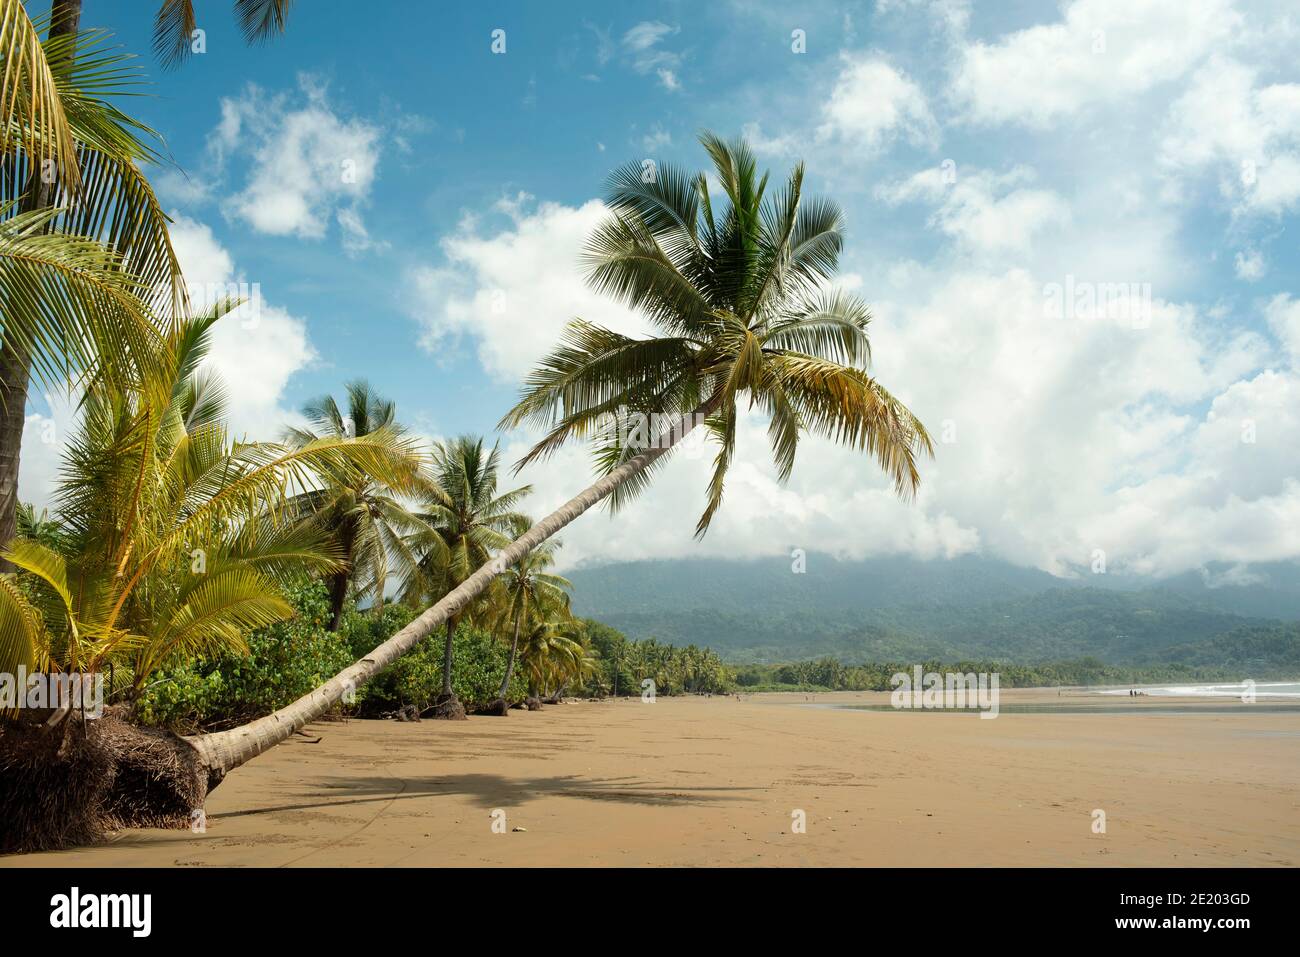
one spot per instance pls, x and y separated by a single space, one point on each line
284 662
416 678
289 659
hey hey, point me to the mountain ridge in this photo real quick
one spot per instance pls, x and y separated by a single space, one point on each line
760 610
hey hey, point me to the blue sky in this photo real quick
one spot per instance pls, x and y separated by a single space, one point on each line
983 153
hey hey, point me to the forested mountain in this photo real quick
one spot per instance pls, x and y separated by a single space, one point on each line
900 609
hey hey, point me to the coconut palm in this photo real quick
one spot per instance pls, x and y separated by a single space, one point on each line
553 655
365 517
528 591
739 290
39 526
174 542
174 26
469 521
88 265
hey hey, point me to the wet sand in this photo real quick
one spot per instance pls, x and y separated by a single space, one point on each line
715 781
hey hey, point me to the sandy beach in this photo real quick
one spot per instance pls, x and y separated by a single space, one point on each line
716 781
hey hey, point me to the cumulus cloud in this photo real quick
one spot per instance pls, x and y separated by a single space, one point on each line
1069 434
986 212
1058 433
308 165
256 349
513 290
1249 265
44 435
1283 316
872 104
1244 132
1100 52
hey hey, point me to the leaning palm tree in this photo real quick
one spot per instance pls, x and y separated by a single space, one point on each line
174 26
173 544
739 290
72 193
365 517
469 522
528 591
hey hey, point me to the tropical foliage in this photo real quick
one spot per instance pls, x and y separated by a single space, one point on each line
741 293
175 25
283 661
217 579
363 516
174 540
530 596
75 210
467 523
624 664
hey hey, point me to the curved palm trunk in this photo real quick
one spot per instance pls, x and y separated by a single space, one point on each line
510 662
16 358
224 751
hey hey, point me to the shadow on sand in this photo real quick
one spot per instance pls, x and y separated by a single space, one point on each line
491 790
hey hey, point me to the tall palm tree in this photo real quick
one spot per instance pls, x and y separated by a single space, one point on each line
528 591
468 521
740 292
366 517
83 231
174 26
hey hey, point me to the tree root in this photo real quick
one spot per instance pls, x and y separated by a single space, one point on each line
447 708
72 784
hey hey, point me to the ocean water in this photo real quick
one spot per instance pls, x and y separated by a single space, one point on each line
1263 689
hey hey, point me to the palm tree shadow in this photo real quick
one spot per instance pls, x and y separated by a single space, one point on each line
493 790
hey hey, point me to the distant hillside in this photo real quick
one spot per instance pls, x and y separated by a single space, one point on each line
899 609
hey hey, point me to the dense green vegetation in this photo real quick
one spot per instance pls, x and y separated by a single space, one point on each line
624 664
289 658
829 674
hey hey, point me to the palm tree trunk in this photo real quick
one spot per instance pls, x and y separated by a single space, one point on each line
16 357
342 578
338 598
447 660
510 662
224 751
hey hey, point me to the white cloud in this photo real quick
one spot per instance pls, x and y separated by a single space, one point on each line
256 349
514 290
645 36
1076 434
782 145
41 455
1100 52
644 47
987 213
1283 315
1071 434
1249 265
656 139
308 165
873 104
1246 133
